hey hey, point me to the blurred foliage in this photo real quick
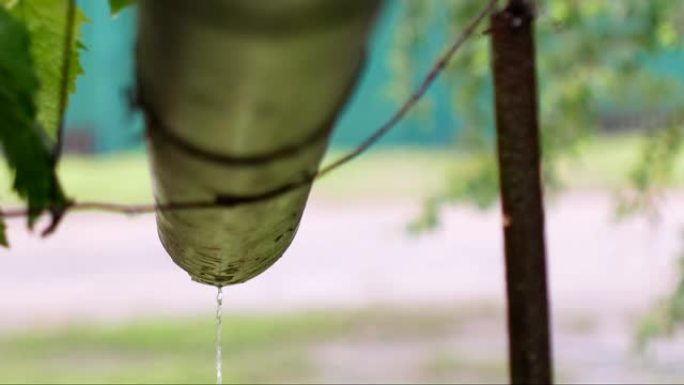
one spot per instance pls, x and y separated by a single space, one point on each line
117 6
257 348
592 55
653 172
664 319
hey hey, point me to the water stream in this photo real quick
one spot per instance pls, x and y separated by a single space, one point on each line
219 315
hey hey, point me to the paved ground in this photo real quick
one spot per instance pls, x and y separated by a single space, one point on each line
603 276
101 265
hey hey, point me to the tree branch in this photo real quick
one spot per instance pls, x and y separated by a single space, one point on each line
517 127
224 201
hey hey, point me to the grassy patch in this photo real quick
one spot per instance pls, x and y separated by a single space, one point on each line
580 323
460 368
120 178
385 173
257 348
605 162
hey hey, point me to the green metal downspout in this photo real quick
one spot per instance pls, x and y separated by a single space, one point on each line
240 98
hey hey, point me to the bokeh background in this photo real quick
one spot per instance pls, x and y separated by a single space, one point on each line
396 274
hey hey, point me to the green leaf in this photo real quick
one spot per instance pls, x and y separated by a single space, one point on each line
25 149
45 20
115 6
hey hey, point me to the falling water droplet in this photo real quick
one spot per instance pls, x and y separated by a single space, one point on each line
219 315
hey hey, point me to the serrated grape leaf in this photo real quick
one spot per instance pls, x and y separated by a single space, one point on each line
115 6
24 147
45 20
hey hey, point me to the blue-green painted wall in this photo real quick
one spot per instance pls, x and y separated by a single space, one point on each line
100 103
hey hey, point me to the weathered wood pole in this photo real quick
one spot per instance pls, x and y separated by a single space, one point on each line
513 49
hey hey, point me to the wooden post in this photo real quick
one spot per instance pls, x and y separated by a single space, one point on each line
517 125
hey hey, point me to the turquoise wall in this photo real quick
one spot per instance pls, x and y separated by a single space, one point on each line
371 104
99 105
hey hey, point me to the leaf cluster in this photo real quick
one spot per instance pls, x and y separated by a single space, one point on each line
32 41
593 57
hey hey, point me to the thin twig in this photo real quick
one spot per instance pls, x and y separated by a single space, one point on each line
231 201
436 69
